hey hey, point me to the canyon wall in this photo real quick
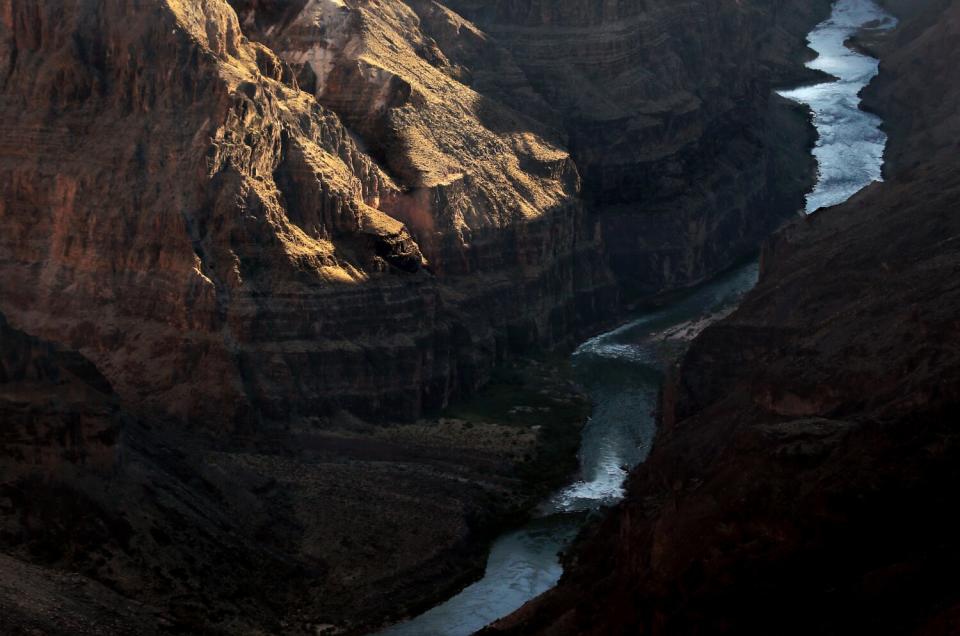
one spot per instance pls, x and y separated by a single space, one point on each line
220 246
56 408
230 229
802 478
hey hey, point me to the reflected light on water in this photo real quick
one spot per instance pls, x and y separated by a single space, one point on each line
850 144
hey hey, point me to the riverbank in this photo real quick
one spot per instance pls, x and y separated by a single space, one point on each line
621 371
529 417
850 141
385 518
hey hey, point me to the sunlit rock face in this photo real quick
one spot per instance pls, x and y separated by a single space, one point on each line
469 163
152 208
226 250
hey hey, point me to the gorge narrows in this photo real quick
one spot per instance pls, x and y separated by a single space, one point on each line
622 370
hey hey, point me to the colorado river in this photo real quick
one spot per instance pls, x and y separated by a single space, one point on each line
850 146
622 370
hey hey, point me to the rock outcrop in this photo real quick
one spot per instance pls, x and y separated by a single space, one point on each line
802 478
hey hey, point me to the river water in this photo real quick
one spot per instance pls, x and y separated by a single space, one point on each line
622 370
850 144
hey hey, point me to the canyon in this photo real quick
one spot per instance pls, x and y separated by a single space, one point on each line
359 250
284 285
806 455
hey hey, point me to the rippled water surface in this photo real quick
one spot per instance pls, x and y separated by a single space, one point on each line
850 147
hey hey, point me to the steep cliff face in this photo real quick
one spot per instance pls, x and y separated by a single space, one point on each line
288 279
160 178
667 109
469 164
802 477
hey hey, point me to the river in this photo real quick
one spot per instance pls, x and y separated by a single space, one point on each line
622 370
850 144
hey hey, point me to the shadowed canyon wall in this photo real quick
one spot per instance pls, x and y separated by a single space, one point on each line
687 157
56 408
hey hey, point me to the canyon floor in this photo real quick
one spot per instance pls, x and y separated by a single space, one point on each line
282 283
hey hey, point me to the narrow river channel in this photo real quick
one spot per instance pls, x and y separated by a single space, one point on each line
850 143
622 369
